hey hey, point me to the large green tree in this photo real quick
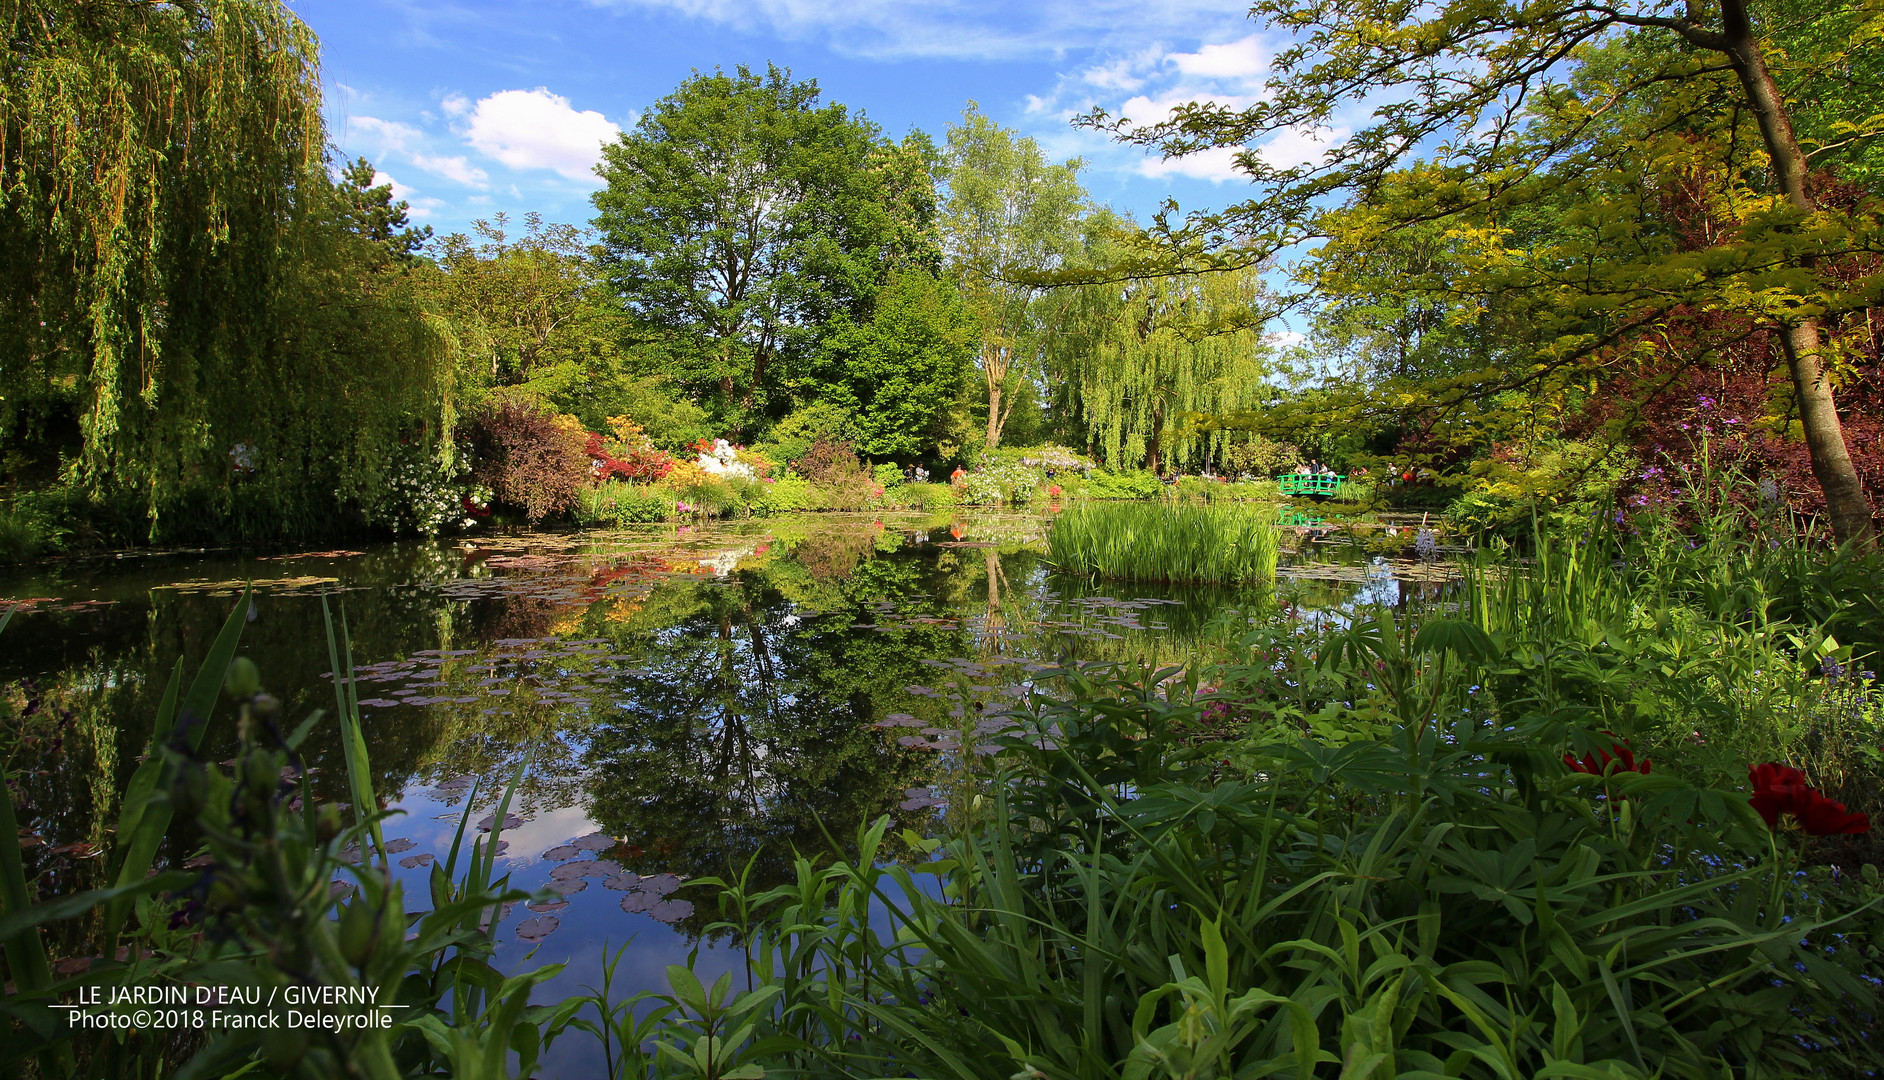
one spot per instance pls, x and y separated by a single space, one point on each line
1503 104
1010 213
900 374
742 214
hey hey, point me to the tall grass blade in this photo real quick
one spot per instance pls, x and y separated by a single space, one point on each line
352 738
144 820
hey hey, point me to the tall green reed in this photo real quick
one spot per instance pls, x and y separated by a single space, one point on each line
1170 540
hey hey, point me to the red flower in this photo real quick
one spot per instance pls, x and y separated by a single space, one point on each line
1623 757
1781 789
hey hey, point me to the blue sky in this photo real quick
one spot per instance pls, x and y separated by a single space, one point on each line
472 107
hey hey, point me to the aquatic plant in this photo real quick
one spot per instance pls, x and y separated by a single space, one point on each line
1170 540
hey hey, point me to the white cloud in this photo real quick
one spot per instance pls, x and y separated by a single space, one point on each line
399 190
1298 146
455 104
455 168
535 129
417 206
388 134
1217 166
1241 60
1283 339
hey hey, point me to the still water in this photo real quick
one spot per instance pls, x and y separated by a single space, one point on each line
683 702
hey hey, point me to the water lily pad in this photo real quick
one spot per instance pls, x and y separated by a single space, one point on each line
394 847
622 882
511 821
600 868
538 928
669 911
561 852
545 906
595 842
411 861
660 884
568 886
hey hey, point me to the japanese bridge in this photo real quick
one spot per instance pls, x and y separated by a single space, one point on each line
1317 486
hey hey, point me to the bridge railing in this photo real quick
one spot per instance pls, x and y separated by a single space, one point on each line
1309 483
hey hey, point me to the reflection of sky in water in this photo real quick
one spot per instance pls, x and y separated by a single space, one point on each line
725 688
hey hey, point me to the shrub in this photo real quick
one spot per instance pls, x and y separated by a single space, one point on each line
697 491
783 495
1166 541
924 496
26 531
529 457
819 422
1255 456
888 476
425 492
627 454
616 503
1001 482
1103 484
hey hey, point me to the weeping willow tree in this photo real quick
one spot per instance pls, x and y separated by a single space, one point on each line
1140 363
185 319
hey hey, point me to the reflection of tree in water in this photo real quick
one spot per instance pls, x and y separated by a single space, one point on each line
751 727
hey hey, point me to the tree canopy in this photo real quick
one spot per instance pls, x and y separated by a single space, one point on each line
190 312
1010 214
1598 111
743 214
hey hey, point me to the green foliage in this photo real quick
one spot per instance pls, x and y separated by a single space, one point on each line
785 494
1170 540
368 211
1106 484
820 421
899 375
1563 484
1008 208
265 910
185 288
615 503
1142 361
26 531
531 311
743 215
1412 906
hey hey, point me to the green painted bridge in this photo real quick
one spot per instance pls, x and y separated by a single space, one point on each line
1312 485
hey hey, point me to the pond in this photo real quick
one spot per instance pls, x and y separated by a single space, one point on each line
681 702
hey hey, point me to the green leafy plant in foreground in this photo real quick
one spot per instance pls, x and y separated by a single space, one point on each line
266 910
1399 907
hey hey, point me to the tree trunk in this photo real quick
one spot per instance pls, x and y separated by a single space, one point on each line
994 370
1802 339
1154 449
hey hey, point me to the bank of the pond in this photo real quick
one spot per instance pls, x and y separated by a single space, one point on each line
686 697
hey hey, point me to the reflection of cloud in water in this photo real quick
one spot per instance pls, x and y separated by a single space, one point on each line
546 830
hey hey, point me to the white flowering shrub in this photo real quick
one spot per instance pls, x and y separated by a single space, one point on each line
1005 482
427 493
721 459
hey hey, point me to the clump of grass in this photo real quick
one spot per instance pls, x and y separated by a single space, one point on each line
1172 540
